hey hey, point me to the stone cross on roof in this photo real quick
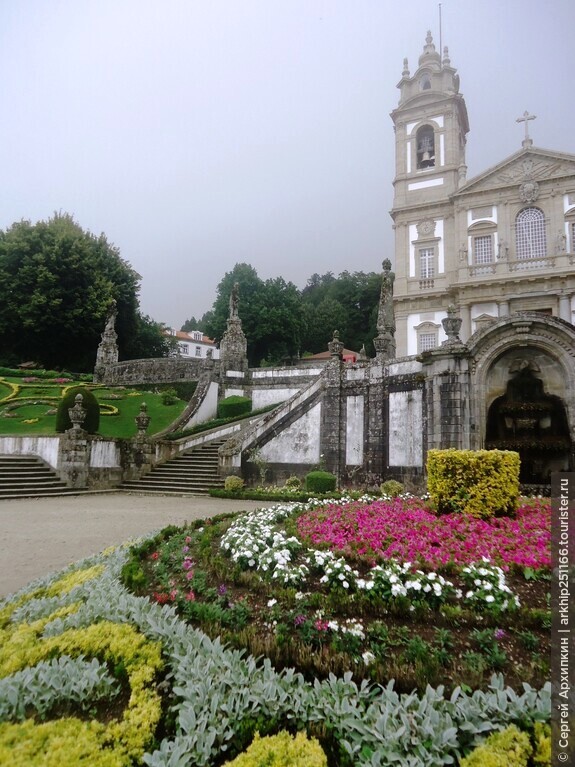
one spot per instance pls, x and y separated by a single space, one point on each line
525 119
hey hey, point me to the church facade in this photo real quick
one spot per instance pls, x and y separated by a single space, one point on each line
475 344
500 243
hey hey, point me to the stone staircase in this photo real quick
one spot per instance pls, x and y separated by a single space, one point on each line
191 473
28 476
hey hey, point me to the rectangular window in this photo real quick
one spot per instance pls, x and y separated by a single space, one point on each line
198 351
427 341
426 263
184 349
572 237
483 249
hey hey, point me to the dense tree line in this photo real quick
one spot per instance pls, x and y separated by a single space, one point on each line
57 282
280 321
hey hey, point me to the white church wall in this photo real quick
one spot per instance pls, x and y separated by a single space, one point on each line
354 430
405 444
414 320
298 443
265 397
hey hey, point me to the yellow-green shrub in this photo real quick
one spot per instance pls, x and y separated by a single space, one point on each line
509 748
477 482
542 743
282 751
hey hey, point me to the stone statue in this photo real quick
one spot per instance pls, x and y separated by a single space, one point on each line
234 300
111 319
386 319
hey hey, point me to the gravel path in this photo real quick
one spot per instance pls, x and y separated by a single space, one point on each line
41 535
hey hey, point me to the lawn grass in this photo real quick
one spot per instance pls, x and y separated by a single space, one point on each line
32 410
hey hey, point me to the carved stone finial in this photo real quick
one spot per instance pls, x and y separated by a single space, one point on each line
452 326
405 72
142 419
446 59
77 413
335 346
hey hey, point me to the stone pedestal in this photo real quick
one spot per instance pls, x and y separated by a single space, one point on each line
74 458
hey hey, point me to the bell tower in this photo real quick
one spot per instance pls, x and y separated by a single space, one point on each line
430 128
430 124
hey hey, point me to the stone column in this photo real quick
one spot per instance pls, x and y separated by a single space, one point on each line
332 442
141 446
74 449
503 308
565 307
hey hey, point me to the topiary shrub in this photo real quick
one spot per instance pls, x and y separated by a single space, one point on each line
233 484
477 482
294 483
169 397
320 482
391 487
508 748
282 751
89 402
233 406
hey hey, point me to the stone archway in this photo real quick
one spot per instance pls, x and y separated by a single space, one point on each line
530 421
523 383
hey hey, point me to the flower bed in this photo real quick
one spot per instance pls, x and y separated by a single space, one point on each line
144 685
408 531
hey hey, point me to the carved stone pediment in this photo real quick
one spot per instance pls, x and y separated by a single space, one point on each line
530 166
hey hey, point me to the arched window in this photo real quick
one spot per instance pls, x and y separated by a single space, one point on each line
530 238
425 142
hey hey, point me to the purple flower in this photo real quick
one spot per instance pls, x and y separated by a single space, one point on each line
298 620
222 589
499 633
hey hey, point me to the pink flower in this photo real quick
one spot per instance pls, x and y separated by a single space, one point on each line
155 555
190 596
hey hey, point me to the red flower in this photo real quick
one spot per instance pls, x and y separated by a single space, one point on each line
155 555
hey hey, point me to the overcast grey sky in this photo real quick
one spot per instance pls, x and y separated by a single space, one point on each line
199 133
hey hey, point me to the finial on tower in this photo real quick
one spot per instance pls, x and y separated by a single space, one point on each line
405 72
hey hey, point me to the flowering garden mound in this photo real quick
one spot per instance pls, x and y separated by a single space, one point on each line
138 655
384 588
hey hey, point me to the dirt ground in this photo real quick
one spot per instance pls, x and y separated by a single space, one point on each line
42 535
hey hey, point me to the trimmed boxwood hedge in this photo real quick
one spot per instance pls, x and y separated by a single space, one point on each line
91 422
234 406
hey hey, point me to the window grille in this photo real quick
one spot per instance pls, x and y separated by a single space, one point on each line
427 341
483 249
426 264
530 234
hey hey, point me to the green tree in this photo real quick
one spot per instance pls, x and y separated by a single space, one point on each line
191 324
149 340
270 312
347 303
56 284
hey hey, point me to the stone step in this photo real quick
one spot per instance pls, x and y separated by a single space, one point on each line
193 472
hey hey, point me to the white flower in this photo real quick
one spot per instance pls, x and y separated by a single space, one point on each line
469 595
489 598
345 584
368 657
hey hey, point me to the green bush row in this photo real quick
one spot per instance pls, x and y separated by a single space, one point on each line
234 406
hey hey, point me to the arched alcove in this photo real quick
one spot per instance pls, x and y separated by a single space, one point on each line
530 421
523 383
